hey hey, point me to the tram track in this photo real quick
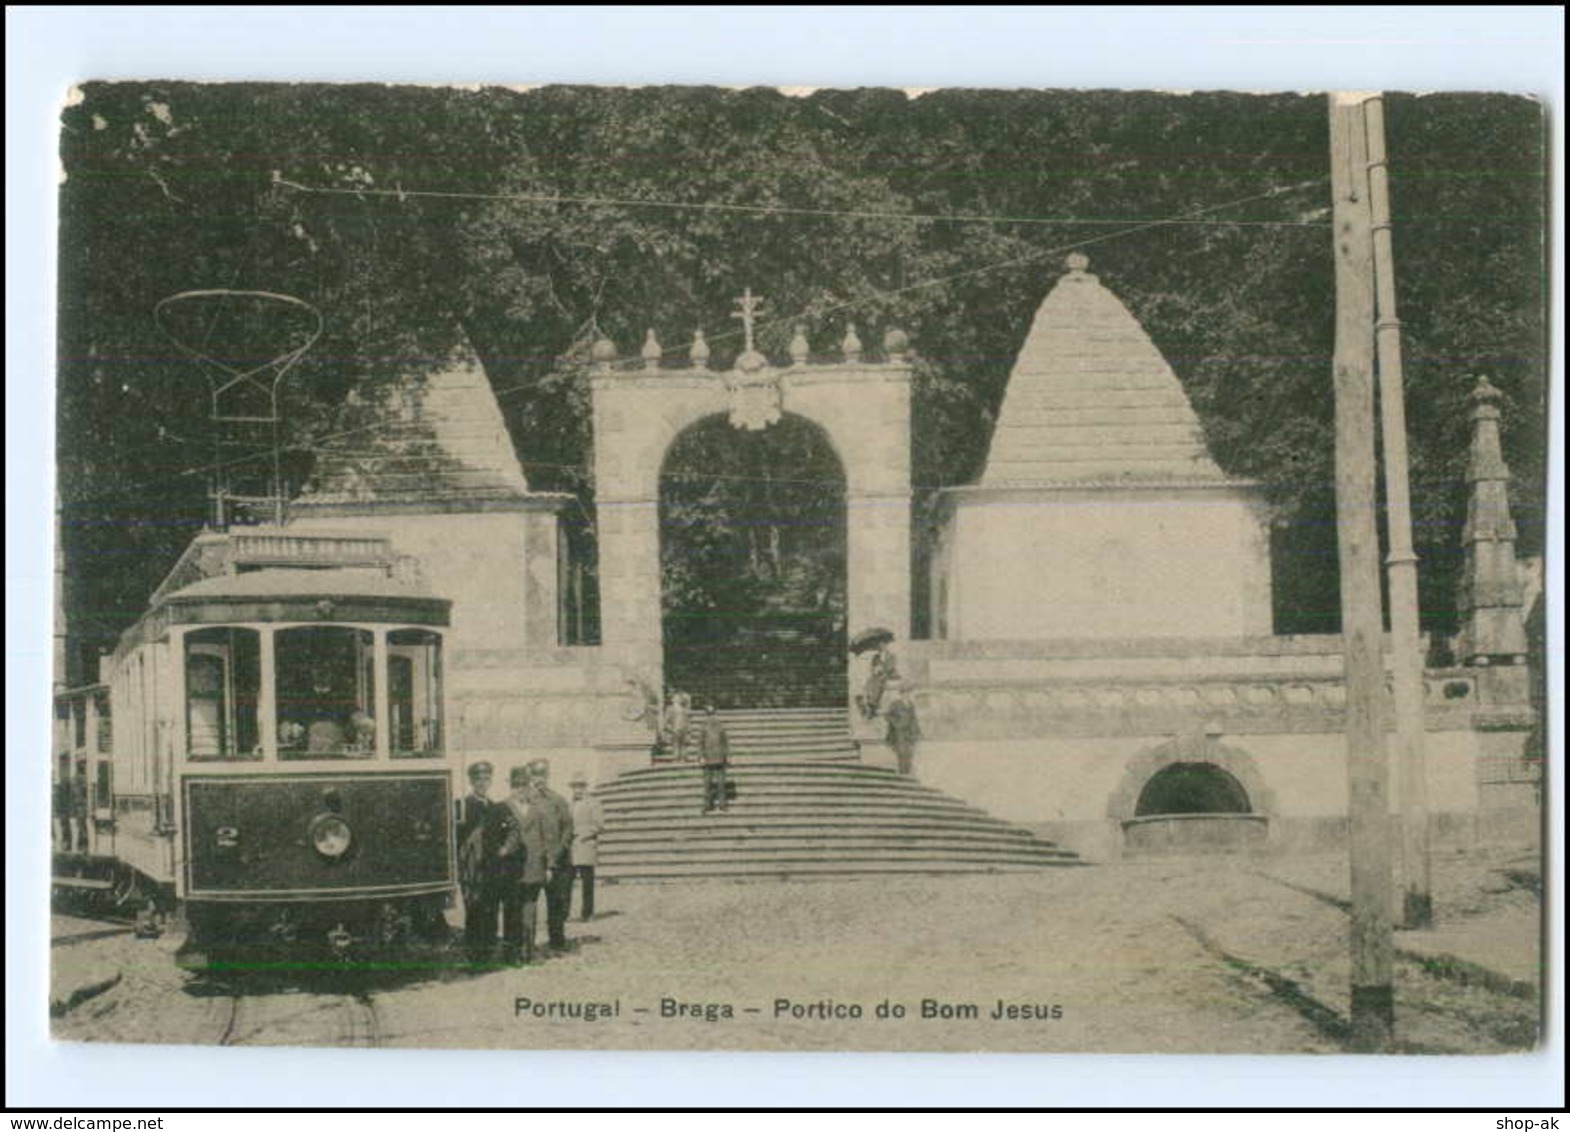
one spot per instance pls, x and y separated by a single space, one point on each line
1297 990
340 1020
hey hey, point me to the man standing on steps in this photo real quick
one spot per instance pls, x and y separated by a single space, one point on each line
587 821
714 750
557 819
904 729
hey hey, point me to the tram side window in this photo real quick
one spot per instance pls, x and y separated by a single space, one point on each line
105 723
222 682
414 658
326 693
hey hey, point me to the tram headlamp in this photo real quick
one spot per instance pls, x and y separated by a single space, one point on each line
331 836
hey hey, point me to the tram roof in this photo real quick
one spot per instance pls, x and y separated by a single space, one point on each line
297 595
301 584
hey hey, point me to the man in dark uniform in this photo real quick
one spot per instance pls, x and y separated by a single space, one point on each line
556 818
514 845
714 750
481 889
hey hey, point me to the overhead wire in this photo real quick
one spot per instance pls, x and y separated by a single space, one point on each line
402 194
316 445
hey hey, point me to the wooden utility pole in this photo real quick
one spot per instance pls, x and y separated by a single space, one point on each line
1373 1000
1417 901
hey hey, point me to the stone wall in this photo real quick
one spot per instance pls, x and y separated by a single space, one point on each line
1062 736
498 566
1109 561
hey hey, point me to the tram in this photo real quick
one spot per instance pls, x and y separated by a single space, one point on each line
277 767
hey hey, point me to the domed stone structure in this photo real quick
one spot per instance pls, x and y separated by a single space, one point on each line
1099 481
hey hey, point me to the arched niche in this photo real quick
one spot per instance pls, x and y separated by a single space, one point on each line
1190 751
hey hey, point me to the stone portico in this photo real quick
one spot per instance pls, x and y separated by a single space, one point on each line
862 405
1101 596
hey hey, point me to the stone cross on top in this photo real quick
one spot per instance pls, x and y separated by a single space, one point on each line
751 306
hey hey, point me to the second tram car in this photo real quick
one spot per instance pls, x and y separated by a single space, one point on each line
280 765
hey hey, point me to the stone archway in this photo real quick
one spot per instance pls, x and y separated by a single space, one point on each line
752 563
862 406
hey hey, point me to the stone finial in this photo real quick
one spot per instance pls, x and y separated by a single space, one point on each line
651 351
603 353
1492 628
700 351
851 346
799 347
1076 262
896 344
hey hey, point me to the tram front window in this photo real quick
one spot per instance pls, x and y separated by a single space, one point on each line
414 658
222 681
326 693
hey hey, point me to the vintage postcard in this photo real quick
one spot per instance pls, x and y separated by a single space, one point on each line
703 568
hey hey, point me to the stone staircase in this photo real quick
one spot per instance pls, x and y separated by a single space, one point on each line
815 734
805 806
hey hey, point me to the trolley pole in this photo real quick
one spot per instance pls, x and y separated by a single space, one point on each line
1373 999
1417 901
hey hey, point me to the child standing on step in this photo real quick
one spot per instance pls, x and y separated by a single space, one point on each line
677 722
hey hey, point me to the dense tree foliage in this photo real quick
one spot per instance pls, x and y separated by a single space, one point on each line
528 223
752 560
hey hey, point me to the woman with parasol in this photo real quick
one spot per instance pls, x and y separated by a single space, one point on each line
882 669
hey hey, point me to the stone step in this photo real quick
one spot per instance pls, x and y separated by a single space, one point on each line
770 758
724 824
785 788
789 730
686 872
889 851
763 772
795 854
821 709
810 769
764 812
771 837
689 817
829 799
802 817
788 740
827 793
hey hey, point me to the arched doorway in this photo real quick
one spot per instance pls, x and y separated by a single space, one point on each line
753 564
1192 788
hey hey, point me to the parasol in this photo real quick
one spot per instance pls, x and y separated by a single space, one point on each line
870 639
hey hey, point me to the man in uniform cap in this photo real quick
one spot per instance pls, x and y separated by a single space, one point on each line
514 840
556 819
482 889
587 821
